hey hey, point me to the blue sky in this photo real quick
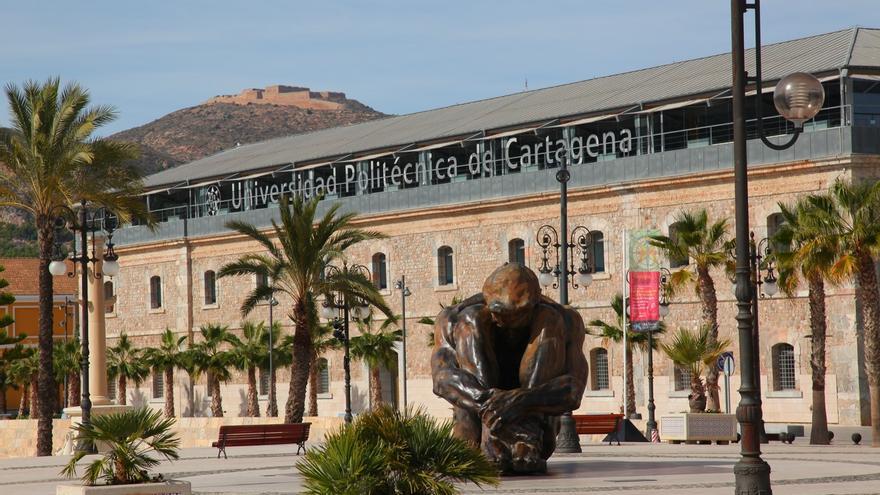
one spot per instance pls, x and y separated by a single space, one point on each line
151 58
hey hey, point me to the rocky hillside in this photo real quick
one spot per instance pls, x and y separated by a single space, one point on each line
195 132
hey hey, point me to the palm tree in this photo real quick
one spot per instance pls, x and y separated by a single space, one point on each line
612 332
387 451
7 357
377 350
296 268
282 357
213 361
809 255
705 246
51 159
166 358
6 319
130 441
849 219
24 372
248 354
126 362
695 352
67 358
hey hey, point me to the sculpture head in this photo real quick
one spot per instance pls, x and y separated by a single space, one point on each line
512 292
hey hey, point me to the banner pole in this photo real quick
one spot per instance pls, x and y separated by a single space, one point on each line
623 329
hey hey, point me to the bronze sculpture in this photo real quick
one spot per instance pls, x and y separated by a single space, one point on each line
510 361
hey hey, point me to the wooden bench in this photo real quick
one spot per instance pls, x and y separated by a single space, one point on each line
241 435
598 424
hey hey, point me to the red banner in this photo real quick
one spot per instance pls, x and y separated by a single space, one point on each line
644 300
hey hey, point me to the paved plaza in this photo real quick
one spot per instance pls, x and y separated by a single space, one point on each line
658 469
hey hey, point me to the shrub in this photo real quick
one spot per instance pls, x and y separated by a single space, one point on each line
386 451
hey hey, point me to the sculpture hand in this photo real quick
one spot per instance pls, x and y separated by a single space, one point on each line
502 407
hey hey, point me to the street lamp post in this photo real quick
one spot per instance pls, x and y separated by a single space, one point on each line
797 97
758 251
100 220
334 304
651 424
404 293
273 407
566 248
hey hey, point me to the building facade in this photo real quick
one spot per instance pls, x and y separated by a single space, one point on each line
460 190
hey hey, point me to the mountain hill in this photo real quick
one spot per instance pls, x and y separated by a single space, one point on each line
251 116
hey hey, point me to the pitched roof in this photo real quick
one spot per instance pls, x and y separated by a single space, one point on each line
22 274
824 53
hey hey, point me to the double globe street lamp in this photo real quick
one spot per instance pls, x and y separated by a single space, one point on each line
337 308
566 248
798 98
84 222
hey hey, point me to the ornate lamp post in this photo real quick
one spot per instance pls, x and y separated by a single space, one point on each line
404 293
84 222
797 97
563 273
651 424
337 308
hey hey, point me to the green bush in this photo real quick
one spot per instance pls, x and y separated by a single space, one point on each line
389 452
130 437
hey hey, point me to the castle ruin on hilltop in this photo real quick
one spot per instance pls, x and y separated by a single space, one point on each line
286 95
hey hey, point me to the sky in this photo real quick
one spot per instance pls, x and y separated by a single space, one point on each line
150 58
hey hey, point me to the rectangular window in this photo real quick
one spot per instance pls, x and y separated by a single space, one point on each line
682 379
264 382
158 384
111 389
210 288
155 292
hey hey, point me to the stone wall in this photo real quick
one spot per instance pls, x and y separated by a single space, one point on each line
479 234
18 437
286 96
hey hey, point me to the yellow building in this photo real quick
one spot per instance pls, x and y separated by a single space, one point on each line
22 275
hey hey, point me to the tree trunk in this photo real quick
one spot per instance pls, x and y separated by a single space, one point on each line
121 392
698 394
25 399
74 392
302 352
630 386
3 400
46 377
168 383
819 430
253 407
871 311
313 386
272 408
375 387
36 413
216 400
709 301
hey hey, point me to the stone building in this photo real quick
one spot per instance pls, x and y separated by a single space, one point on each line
462 189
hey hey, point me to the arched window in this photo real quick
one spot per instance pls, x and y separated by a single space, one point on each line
108 296
380 271
597 240
599 359
158 384
444 266
783 367
676 262
323 376
210 288
155 292
264 381
262 280
681 378
516 251
774 223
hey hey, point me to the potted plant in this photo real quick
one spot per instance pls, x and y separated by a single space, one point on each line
133 442
695 351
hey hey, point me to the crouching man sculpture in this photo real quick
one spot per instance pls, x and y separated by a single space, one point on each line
510 362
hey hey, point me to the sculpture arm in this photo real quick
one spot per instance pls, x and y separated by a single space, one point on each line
459 366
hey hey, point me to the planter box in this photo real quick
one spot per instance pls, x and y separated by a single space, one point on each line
172 487
698 427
